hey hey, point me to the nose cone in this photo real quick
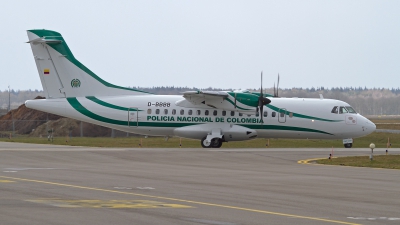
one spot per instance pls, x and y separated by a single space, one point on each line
369 126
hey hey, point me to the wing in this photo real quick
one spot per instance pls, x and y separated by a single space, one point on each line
201 97
216 99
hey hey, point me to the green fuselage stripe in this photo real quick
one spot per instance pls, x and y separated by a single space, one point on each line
298 115
279 127
80 108
108 105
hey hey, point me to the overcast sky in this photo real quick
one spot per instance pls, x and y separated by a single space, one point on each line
224 44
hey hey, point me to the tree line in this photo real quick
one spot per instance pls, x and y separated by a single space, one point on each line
366 101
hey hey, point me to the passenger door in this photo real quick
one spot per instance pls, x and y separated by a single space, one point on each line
282 116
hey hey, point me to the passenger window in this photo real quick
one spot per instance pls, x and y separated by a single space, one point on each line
165 111
157 111
265 113
206 113
342 110
248 115
182 112
273 114
190 112
282 114
198 112
232 113
149 111
257 114
173 111
290 114
215 113
224 113
240 114
335 110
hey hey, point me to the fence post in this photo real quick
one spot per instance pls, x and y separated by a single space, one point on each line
13 125
47 121
81 129
112 133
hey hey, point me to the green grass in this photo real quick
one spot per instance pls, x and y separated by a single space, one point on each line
380 140
379 161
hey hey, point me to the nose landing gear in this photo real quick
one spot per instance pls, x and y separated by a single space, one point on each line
348 145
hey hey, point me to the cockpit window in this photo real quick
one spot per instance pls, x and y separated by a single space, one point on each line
342 110
350 110
335 110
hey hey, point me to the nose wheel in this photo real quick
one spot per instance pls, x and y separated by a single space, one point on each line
215 143
348 145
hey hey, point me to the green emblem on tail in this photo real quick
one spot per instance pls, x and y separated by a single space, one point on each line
75 83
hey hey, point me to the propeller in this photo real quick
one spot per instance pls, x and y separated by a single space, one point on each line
274 90
235 100
262 100
277 88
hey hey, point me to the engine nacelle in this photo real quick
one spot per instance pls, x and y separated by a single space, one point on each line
239 133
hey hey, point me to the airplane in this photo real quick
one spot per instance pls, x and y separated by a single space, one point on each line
213 117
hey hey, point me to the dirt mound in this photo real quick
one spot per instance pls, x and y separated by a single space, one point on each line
69 127
25 119
37 123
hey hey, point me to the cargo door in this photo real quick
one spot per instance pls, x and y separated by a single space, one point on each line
133 117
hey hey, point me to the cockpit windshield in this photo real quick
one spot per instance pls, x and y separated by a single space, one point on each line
350 110
335 110
343 110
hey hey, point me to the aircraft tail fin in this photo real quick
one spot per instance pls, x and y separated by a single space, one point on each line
62 75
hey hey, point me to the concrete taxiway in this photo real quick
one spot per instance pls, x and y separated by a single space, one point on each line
46 184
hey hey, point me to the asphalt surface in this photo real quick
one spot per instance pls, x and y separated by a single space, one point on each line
45 184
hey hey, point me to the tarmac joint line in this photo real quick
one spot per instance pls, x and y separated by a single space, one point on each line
186 201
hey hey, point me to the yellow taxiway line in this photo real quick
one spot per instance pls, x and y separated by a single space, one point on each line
186 201
307 161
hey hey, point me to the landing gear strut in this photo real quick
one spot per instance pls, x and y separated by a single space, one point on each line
215 143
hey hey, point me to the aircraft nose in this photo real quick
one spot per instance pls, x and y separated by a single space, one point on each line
371 127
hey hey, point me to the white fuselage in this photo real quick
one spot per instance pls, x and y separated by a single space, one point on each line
158 115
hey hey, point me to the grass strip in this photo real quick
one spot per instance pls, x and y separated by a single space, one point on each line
380 140
379 161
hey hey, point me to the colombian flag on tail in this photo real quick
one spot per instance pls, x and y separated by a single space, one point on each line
46 71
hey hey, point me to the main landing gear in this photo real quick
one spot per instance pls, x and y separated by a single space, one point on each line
215 143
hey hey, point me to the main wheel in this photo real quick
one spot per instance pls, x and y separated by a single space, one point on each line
216 142
348 145
204 143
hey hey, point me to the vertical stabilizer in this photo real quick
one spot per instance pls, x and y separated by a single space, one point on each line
64 76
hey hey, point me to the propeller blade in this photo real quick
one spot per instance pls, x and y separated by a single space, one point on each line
235 100
261 83
262 101
277 87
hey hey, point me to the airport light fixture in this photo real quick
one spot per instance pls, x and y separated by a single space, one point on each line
372 146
